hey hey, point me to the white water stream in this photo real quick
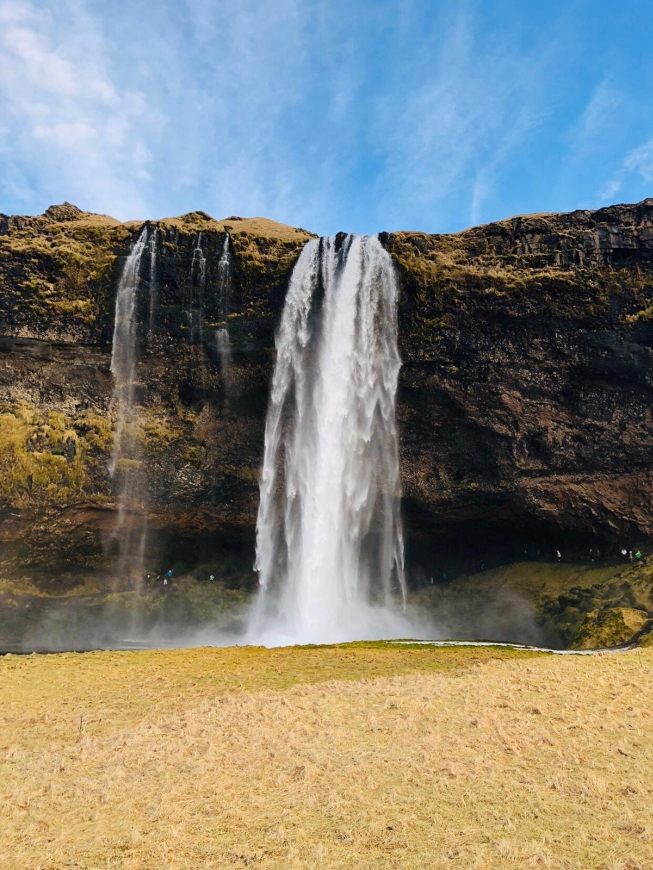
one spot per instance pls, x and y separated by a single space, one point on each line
123 352
222 338
329 548
196 305
153 282
130 530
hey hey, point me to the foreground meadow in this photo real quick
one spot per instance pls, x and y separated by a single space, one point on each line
359 756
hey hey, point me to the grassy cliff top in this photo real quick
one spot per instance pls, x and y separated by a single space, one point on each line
623 214
67 218
58 270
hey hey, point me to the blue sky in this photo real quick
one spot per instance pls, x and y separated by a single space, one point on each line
357 115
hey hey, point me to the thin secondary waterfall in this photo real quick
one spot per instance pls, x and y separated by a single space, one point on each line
153 282
123 352
224 285
197 280
129 530
329 548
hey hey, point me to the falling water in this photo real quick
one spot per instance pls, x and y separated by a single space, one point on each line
129 530
153 282
123 353
224 278
329 546
196 307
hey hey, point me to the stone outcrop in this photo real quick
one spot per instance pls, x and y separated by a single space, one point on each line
525 405
609 628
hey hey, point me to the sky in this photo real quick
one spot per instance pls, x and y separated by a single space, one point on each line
354 115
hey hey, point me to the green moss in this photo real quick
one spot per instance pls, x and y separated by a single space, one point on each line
96 430
193 454
123 465
40 462
609 628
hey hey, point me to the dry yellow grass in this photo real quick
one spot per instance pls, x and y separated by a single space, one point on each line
490 760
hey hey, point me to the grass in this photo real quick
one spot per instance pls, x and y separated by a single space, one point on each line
359 756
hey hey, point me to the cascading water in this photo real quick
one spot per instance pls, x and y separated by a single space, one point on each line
123 352
197 281
129 530
222 339
153 282
329 548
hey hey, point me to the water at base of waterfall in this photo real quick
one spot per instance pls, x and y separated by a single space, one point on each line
329 547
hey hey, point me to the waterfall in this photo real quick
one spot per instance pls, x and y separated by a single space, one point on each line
197 274
129 530
329 547
153 282
123 352
222 339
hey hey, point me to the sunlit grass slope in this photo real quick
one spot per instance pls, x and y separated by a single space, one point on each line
361 756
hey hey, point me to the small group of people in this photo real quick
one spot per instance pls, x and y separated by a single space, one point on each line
163 579
636 556
595 553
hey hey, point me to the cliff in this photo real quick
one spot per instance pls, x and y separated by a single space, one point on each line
525 405
527 382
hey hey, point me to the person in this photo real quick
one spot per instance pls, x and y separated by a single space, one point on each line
638 555
444 575
558 555
624 552
630 555
431 581
211 578
167 577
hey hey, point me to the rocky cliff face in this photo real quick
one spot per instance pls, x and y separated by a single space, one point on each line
526 409
525 406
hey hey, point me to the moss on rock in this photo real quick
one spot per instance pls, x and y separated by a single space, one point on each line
603 629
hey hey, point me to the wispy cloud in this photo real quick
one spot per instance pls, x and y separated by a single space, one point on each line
610 190
353 114
469 103
66 129
640 160
596 118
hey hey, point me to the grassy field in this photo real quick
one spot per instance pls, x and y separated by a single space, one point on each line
359 756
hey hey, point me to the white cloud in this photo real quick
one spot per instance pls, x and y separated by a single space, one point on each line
466 106
333 115
67 127
641 160
610 190
597 116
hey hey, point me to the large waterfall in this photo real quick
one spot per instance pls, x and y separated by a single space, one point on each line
329 548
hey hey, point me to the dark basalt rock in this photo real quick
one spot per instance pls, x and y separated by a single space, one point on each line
525 403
